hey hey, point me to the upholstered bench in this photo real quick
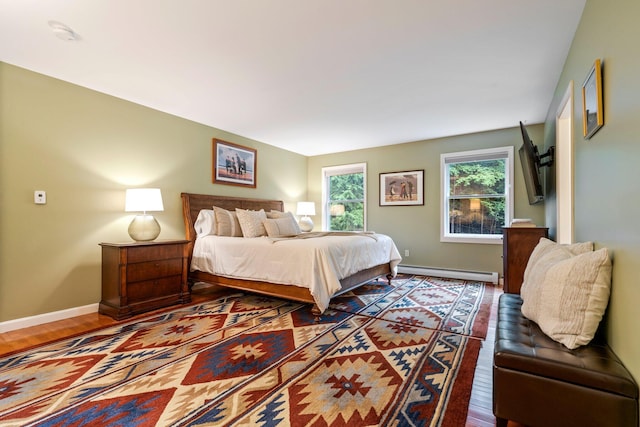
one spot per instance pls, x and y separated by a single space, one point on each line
540 382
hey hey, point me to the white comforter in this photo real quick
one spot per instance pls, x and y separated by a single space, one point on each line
317 263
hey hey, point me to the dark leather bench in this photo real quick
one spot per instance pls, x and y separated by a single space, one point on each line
539 382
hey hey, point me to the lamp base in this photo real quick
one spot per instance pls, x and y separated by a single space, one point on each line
144 228
306 224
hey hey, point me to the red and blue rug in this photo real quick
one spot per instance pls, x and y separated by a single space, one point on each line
402 354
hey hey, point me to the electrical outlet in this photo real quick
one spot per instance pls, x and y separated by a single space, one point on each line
40 197
406 252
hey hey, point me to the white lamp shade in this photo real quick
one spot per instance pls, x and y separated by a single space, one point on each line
306 208
143 200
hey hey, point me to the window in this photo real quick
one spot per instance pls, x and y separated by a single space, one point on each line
477 195
344 197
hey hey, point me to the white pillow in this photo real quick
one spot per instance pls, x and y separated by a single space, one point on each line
227 223
575 294
251 222
544 255
279 214
278 227
205 223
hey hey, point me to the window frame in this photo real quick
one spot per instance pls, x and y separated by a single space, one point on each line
329 171
506 153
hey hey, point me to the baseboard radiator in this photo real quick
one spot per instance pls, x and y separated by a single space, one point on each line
481 276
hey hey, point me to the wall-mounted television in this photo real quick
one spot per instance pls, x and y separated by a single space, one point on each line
531 163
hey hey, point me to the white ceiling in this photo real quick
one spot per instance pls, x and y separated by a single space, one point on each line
310 76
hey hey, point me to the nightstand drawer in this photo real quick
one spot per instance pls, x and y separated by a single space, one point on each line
148 289
150 253
153 269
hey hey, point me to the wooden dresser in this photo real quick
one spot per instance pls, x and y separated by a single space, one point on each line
142 276
517 245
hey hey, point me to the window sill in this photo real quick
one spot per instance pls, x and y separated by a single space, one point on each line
494 239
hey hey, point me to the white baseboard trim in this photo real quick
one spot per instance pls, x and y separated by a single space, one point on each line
25 322
484 276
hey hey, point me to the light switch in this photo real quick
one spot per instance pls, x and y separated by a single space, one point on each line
40 197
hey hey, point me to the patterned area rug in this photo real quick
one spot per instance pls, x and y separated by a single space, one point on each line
401 354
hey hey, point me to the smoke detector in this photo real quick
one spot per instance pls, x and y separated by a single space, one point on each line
63 32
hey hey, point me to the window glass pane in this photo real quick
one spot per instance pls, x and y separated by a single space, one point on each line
475 178
476 215
346 187
346 216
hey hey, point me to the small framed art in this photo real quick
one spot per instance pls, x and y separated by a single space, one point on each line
405 188
234 164
592 113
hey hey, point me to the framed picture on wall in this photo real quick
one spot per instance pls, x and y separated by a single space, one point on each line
234 164
405 188
592 113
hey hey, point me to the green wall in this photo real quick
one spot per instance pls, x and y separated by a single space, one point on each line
84 149
607 165
417 228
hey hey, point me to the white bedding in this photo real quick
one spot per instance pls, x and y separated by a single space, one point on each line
317 263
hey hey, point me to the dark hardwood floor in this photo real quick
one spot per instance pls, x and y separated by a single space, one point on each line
480 411
480 405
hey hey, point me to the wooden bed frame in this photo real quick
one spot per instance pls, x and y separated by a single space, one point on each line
191 206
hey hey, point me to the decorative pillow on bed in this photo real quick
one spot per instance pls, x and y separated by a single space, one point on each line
279 227
544 255
227 223
278 214
205 223
251 222
575 294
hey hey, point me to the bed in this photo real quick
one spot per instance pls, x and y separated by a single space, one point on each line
192 204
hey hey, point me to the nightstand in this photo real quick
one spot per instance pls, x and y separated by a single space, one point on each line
143 276
517 245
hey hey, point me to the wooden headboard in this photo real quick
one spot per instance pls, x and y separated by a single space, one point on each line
192 204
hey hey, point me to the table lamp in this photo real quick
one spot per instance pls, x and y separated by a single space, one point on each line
144 227
305 209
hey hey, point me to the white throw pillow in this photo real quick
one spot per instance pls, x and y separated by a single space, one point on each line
575 294
205 223
544 255
278 227
227 223
251 222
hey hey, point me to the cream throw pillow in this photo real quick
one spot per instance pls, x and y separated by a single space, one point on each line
288 214
251 222
278 227
544 255
575 294
227 223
